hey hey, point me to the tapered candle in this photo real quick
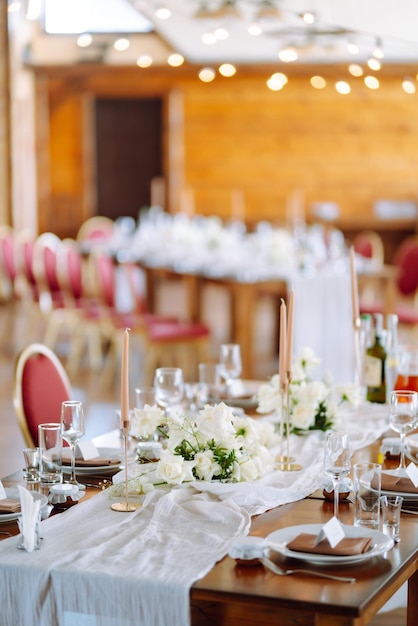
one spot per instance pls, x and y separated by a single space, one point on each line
354 288
282 345
124 400
289 338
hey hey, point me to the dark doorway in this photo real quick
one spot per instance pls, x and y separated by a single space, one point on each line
129 154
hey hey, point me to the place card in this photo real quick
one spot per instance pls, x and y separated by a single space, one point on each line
87 450
412 471
333 531
3 494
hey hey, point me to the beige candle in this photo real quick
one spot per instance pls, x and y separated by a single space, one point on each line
289 338
124 400
282 345
354 288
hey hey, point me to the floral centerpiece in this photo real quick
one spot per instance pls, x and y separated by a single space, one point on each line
313 404
215 444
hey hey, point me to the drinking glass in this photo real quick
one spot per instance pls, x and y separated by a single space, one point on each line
169 387
230 364
72 429
403 417
336 461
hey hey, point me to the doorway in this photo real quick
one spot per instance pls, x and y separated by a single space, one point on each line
128 137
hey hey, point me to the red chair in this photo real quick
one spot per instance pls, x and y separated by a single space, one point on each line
40 386
95 230
165 340
369 245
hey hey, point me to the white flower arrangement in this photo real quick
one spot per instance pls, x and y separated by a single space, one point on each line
313 404
212 445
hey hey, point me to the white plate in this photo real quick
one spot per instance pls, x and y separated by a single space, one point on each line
405 494
13 494
279 539
107 453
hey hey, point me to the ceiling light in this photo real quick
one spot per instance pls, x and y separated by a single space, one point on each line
355 70
221 33
227 70
371 82
209 38
121 44
308 17
374 64
408 85
342 87
318 82
254 29
175 59
352 47
288 54
144 60
162 12
207 74
84 40
378 49
277 81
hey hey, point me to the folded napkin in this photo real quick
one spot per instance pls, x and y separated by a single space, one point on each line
9 506
97 461
348 546
29 520
392 482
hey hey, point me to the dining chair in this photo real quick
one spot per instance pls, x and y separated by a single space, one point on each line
164 340
40 385
369 244
96 229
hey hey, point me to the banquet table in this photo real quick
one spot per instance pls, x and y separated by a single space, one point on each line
227 593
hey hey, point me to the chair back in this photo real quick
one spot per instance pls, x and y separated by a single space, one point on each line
70 270
96 229
369 245
406 258
41 384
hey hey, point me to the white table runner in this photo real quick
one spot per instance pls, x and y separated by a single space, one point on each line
98 567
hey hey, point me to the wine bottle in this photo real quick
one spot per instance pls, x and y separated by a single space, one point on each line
375 360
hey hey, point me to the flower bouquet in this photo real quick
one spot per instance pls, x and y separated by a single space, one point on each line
215 444
313 404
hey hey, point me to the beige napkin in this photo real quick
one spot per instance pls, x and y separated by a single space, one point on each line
9 506
349 546
392 482
97 461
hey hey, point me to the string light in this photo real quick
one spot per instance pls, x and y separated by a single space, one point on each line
144 60
342 87
175 59
408 85
374 64
288 54
355 70
227 70
121 44
371 82
207 74
318 82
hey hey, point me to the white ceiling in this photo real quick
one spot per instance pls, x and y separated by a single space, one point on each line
393 21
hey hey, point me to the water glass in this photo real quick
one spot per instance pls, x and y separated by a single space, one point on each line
209 382
32 458
169 387
391 516
50 447
145 395
366 484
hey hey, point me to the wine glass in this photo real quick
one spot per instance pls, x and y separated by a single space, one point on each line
336 461
230 364
169 387
72 430
403 417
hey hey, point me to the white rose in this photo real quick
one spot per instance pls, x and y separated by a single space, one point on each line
215 421
303 416
145 421
352 394
249 470
173 469
205 466
266 432
268 396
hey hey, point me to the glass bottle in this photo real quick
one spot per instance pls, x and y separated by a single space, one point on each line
374 365
365 340
392 354
408 368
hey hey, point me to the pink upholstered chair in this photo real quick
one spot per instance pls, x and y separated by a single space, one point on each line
40 386
96 229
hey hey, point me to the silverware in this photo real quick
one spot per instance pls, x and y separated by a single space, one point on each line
287 572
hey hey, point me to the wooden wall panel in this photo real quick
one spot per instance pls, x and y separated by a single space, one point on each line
236 134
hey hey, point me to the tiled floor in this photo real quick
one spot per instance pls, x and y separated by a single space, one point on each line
17 328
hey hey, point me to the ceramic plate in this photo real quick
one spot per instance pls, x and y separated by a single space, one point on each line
279 539
405 494
13 493
108 453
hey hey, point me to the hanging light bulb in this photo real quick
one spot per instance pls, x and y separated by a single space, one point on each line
288 54
352 47
121 44
309 17
374 64
342 87
355 70
371 82
162 12
378 52
207 74
318 82
408 85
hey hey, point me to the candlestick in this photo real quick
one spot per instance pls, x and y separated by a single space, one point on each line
282 346
125 507
354 289
289 346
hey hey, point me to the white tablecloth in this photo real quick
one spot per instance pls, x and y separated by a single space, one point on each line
98 567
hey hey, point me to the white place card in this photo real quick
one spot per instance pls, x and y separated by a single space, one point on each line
333 531
412 471
86 450
3 494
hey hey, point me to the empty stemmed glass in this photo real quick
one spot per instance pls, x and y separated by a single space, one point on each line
72 430
403 417
336 461
169 387
230 364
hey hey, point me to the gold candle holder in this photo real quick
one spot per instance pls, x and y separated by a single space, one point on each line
287 463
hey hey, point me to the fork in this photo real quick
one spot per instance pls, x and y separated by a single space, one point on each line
287 572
